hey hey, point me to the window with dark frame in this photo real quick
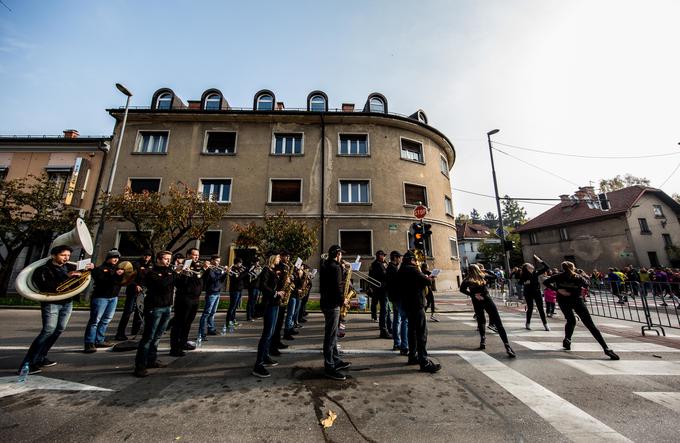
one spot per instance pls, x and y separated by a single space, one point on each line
448 205
415 195
667 241
220 142
564 234
533 238
356 242
140 185
265 102
444 166
355 191
454 247
411 150
353 144
286 191
658 211
128 245
644 227
60 179
210 243
218 190
153 142
212 102
164 101
288 144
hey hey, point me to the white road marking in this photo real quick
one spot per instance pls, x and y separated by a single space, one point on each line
595 347
615 325
568 419
624 367
552 334
10 386
670 400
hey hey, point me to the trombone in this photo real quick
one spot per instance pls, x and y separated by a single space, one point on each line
362 275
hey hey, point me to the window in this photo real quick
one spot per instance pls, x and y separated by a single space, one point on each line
285 191
644 227
453 244
658 211
59 178
415 195
564 235
210 243
218 190
357 242
3 173
127 244
220 142
140 185
533 238
448 205
353 144
421 117
444 165
265 102
355 191
153 142
288 144
653 259
212 102
317 103
411 150
376 105
667 241
164 101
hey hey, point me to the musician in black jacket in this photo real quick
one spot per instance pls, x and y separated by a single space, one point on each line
412 283
400 321
284 272
132 291
378 271
237 279
189 285
159 283
271 297
107 278
332 298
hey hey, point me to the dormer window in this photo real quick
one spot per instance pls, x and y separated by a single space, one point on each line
212 102
317 103
376 104
264 102
164 101
422 117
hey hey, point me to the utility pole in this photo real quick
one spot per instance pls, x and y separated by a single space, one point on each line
500 231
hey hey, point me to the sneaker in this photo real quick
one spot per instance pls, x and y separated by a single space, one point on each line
104 344
190 346
270 363
510 352
90 348
340 365
335 375
121 338
482 343
546 327
431 367
261 371
297 326
493 328
433 318
179 353
46 363
141 372
157 364
566 344
611 354
527 326
32 369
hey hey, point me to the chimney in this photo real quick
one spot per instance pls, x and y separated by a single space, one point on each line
194 104
589 191
280 106
71 133
565 200
348 107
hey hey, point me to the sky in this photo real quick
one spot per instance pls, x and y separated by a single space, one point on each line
591 78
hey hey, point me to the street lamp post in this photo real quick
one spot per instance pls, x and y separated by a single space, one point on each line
112 174
501 231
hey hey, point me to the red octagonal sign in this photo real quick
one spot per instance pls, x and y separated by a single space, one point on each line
420 211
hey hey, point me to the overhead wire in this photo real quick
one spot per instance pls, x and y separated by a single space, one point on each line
671 175
523 200
602 157
536 166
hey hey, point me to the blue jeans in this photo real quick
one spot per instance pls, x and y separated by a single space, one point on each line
271 313
400 327
55 317
290 313
155 323
101 313
234 301
212 301
252 300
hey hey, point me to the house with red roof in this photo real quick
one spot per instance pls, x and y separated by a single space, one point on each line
637 225
470 237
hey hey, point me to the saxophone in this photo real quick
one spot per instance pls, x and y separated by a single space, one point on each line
288 285
348 294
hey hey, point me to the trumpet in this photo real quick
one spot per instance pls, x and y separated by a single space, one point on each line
221 268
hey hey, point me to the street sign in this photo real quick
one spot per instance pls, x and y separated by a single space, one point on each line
500 232
420 212
392 226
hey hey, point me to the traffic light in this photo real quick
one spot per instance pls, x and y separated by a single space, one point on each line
427 232
418 239
509 245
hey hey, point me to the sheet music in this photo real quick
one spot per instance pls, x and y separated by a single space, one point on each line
356 266
358 259
435 272
187 264
298 263
82 263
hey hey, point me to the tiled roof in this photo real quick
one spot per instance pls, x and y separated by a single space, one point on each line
620 201
473 230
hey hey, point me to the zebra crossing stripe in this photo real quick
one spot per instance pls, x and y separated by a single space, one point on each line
595 347
624 367
670 400
572 422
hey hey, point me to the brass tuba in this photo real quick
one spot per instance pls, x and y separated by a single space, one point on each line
79 236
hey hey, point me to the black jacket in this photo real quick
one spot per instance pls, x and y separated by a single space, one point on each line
530 279
237 278
391 285
48 276
412 283
189 286
106 281
570 282
470 288
268 284
332 285
379 272
159 283
142 267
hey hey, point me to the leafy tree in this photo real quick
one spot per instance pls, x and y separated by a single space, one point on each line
168 220
463 218
494 253
276 233
475 216
618 182
32 211
490 220
513 214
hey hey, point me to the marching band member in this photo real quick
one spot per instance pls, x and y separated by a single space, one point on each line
271 297
237 276
56 314
378 271
189 285
107 278
332 298
159 283
293 305
283 269
400 320
302 313
132 291
253 281
214 278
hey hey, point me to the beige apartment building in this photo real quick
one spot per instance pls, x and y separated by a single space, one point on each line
636 226
356 174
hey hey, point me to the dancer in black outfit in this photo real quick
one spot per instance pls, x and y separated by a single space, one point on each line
475 286
568 285
532 289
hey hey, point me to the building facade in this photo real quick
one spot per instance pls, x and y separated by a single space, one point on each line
636 225
470 238
355 174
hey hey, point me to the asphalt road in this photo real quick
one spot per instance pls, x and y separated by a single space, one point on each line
546 394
